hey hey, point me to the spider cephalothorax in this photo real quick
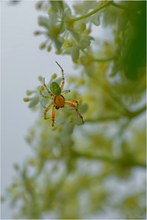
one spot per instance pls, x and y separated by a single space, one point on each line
58 101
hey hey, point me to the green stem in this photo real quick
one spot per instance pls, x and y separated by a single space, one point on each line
90 13
104 158
103 60
136 113
117 5
126 114
103 119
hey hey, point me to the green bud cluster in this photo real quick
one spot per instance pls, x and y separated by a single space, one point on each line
61 23
34 95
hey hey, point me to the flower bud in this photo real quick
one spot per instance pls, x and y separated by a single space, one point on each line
40 78
37 33
49 48
26 99
54 76
29 92
42 46
41 88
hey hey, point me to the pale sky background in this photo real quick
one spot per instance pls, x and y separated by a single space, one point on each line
22 63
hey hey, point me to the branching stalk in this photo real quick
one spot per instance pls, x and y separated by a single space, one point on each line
127 114
117 5
91 12
112 160
103 60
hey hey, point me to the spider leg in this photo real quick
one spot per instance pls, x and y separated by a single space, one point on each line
75 107
47 87
53 115
65 91
62 83
73 100
43 95
46 110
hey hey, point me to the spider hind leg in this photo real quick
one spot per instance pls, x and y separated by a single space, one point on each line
53 115
46 110
75 107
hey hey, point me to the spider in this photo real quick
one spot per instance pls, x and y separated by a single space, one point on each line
58 101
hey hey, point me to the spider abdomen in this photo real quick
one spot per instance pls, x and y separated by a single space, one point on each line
59 101
55 88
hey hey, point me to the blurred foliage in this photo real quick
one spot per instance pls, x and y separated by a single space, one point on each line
84 171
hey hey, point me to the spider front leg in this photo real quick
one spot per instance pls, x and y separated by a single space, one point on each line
47 88
75 107
65 91
46 110
44 96
62 83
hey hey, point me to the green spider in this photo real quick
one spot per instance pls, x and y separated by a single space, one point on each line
58 100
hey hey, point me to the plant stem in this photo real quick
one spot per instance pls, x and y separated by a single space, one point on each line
103 60
104 158
117 5
136 113
126 114
91 12
103 119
